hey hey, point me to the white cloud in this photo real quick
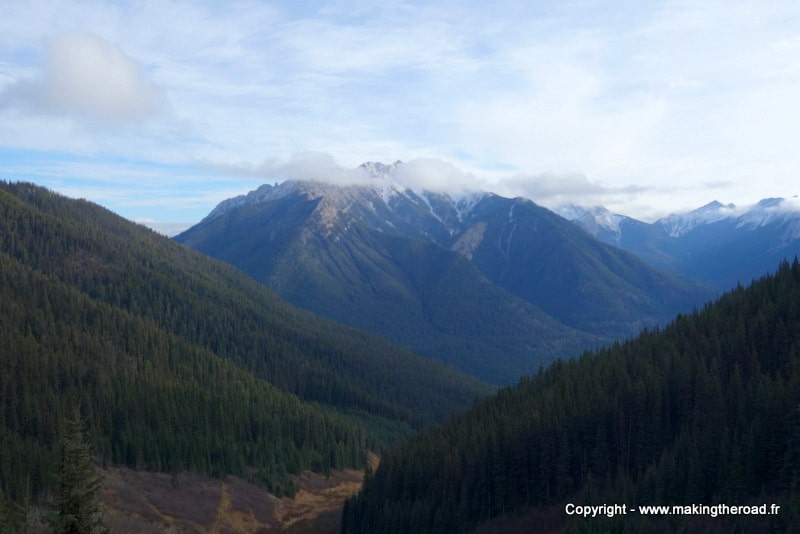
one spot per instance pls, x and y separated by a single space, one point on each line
552 188
303 166
791 205
87 77
435 175
311 166
419 173
540 98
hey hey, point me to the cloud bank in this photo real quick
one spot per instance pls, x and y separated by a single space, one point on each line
89 78
435 174
420 173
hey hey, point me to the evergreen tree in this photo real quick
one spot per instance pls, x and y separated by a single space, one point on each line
77 508
5 515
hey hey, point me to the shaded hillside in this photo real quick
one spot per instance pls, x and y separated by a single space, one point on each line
584 283
180 362
705 411
330 259
491 285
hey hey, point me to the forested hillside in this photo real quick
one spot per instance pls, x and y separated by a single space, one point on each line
179 362
705 411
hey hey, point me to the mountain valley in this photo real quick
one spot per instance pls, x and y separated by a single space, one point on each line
493 286
211 403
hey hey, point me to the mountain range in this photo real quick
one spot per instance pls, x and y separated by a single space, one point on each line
183 367
493 286
720 245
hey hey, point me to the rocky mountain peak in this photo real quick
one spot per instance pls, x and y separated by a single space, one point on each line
379 170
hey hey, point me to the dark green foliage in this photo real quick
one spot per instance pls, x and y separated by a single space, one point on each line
706 411
77 508
180 362
216 307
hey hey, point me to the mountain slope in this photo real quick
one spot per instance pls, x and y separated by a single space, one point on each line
181 362
721 245
346 254
494 286
703 412
582 282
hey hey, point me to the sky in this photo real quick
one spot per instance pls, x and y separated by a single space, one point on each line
160 109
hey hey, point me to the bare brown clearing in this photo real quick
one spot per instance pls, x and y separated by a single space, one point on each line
144 502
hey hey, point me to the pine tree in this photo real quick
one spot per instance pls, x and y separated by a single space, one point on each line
77 508
5 515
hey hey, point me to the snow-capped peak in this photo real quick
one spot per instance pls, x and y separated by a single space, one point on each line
382 179
376 169
769 210
592 219
679 224
766 211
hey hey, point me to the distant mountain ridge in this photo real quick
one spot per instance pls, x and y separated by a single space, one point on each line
719 244
495 286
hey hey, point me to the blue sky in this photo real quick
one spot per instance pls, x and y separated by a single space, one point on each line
159 109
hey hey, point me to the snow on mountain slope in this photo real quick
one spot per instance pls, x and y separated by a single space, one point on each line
679 224
719 244
767 211
379 188
771 210
594 220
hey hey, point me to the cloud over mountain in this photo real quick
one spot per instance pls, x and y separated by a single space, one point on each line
419 173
